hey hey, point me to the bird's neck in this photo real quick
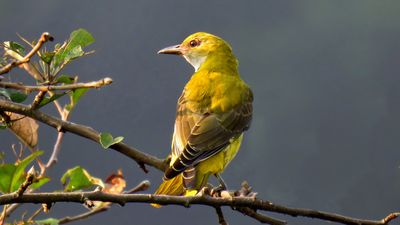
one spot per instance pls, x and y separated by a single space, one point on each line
220 62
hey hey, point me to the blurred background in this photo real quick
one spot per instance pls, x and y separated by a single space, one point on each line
325 76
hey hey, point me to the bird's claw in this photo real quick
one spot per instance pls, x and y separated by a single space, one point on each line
216 192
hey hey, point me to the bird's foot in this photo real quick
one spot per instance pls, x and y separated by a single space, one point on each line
217 191
206 190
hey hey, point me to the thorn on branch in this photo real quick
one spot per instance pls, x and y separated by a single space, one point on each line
143 167
46 207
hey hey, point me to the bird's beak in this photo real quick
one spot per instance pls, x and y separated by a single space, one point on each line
174 50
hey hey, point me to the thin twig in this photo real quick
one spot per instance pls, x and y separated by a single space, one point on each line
35 214
220 214
83 131
186 201
56 149
3 215
38 98
85 215
260 217
142 186
30 176
43 39
27 88
64 114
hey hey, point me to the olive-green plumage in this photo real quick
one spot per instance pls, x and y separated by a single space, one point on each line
214 110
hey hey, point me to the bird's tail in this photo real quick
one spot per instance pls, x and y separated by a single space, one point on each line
173 186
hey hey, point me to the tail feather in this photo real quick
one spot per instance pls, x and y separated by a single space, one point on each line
172 186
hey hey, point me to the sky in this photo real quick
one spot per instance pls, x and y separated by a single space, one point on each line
325 76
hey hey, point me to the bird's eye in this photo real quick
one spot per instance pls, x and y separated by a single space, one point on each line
194 43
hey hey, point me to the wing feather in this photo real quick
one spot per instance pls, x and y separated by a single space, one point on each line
200 136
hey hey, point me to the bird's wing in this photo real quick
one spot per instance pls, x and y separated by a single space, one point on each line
200 136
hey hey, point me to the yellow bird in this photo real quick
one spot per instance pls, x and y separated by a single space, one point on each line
213 111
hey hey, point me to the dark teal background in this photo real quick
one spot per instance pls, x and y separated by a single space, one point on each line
325 76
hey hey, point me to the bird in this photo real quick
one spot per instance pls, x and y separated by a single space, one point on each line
213 111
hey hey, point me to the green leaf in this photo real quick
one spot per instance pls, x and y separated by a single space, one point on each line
18 177
16 47
6 173
18 97
78 179
38 183
47 57
47 100
78 39
14 96
48 221
75 96
12 175
64 79
74 53
106 140
3 126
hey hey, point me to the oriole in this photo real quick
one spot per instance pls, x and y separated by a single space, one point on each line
214 110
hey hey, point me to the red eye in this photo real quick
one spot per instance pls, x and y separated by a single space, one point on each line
194 43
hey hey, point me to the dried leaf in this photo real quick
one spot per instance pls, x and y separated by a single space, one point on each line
25 128
115 183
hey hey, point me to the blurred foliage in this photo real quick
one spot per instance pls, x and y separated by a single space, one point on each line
48 221
12 95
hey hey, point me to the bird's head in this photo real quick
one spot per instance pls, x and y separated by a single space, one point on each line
198 47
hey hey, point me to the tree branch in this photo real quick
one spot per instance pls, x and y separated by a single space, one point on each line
186 201
83 131
93 84
45 37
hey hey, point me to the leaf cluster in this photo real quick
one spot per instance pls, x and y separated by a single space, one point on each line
47 70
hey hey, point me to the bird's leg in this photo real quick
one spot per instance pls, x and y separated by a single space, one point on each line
221 187
221 181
